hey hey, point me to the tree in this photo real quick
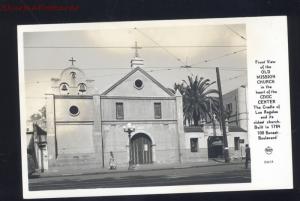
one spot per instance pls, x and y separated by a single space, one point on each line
35 117
43 112
216 110
180 87
198 99
39 117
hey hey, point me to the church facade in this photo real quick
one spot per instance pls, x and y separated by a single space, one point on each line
84 127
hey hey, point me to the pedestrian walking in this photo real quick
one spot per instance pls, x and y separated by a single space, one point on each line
247 150
112 162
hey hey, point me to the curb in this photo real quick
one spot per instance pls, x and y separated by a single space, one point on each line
138 170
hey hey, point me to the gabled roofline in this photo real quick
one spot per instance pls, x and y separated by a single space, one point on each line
143 72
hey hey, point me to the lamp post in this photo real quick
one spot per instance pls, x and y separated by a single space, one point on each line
42 144
129 128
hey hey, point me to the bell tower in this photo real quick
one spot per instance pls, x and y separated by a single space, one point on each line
73 110
72 82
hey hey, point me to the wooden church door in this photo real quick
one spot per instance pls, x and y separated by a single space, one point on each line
141 149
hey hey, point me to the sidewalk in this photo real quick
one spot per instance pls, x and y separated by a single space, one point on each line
138 168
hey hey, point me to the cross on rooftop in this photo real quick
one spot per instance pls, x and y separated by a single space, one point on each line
136 47
72 61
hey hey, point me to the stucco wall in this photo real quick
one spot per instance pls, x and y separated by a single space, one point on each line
62 106
74 138
74 142
230 138
137 109
201 154
163 136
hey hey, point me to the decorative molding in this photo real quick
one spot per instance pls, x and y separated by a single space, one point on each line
137 98
74 122
160 121
73 97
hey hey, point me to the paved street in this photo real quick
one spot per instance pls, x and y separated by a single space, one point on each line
234 173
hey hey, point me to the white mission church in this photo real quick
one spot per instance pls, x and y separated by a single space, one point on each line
83 127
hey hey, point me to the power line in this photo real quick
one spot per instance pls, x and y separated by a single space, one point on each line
90 68
235 32
235 77
220 68
219 57
224 80
206 67
168 69
108 75
127 47
229 68
149 71
145 35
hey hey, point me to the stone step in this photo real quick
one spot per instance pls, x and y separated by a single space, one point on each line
70 169
77 156
62 160
76 162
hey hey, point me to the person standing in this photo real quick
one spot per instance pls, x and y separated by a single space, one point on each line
112 163
247 150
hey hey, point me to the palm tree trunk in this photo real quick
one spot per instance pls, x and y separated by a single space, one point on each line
196 119
214 127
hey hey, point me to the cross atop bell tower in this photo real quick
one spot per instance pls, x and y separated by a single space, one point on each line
136 61
72 61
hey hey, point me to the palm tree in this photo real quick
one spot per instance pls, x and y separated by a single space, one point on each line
179 87
197 98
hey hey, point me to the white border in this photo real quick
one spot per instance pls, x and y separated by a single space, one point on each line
264 36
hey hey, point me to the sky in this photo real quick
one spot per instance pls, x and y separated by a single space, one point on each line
104 55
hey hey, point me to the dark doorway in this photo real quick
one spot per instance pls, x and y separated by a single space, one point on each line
215 147
141 149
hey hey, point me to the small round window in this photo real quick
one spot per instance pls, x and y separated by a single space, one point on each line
138 84
74 110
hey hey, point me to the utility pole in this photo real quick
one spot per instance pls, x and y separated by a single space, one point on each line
226 151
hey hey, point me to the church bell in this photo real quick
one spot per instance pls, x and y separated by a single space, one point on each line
64 87
82 88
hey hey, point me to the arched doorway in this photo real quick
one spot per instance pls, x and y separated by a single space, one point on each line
141 149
